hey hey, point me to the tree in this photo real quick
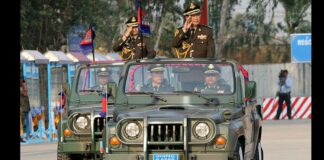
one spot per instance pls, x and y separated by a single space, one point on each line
295 12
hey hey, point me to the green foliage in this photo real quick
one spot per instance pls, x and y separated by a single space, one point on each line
45 24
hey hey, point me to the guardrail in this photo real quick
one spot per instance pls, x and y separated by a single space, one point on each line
301 108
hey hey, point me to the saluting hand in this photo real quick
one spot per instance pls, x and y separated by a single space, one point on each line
127 32
187 24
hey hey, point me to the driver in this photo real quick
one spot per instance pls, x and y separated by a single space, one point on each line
213 82
102 76
157 83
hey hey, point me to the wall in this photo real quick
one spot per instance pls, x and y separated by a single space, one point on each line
266 76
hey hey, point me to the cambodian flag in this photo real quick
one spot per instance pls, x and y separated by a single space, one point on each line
143 27
86 44
245 73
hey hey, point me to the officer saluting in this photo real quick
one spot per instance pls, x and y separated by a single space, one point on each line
130 43
193 39
213 82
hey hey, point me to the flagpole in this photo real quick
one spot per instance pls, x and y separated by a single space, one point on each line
141 30
92 37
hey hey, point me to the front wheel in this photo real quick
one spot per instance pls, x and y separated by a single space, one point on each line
258 152
238 153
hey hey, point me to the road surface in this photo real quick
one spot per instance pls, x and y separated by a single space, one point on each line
281 140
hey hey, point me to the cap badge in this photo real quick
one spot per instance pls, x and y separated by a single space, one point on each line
210 66
192 5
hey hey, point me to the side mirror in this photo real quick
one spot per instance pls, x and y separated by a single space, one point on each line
112 88
250 90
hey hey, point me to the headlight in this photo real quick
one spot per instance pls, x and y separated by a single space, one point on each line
201 130
82 122
132 130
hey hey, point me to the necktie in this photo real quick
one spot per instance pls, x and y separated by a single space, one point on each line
192 32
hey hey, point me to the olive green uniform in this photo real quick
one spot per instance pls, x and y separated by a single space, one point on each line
131 48
200 44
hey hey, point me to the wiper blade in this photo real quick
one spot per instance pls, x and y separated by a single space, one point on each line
198 94
152 95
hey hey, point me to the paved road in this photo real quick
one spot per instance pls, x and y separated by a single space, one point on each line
287 140
281 140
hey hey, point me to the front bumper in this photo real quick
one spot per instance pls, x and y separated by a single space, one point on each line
191 156
79 147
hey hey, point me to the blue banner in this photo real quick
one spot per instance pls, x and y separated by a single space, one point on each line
75 37
301 47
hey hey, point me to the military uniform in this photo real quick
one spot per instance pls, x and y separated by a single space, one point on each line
131 48
102 73
163 87
24 109
215 89
219 87
198 43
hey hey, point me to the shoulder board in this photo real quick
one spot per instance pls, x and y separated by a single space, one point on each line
206 26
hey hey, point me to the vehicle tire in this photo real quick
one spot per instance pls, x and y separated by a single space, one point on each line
62 156
238 152
258 152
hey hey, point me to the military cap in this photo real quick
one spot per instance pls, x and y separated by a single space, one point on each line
192 9
103 72
132 22
212 69
156 68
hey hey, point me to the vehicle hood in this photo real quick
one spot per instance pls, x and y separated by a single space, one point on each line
93 108
169 113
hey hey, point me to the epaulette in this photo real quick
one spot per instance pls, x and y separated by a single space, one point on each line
206 26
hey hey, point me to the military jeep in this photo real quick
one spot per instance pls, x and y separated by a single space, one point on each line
188 109
80 130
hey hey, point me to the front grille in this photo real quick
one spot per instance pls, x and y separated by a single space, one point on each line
165 136
98 126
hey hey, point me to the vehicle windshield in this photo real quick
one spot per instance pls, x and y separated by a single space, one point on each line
174 78
96 78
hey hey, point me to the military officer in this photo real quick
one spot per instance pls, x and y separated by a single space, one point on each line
103 76
193 39
130 43
213 82
157 83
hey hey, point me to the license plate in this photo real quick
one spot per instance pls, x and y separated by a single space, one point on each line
165 157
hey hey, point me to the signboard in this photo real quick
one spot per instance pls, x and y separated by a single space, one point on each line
301 47
74 38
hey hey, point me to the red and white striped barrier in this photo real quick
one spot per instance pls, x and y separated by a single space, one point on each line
300 108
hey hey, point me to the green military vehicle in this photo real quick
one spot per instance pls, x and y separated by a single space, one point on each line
188 109
80 131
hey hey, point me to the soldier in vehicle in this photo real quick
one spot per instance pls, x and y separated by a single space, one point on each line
213 82
102 76
157 83
193 39
130 43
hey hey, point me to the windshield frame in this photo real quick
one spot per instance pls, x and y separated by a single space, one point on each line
125 76
76 80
